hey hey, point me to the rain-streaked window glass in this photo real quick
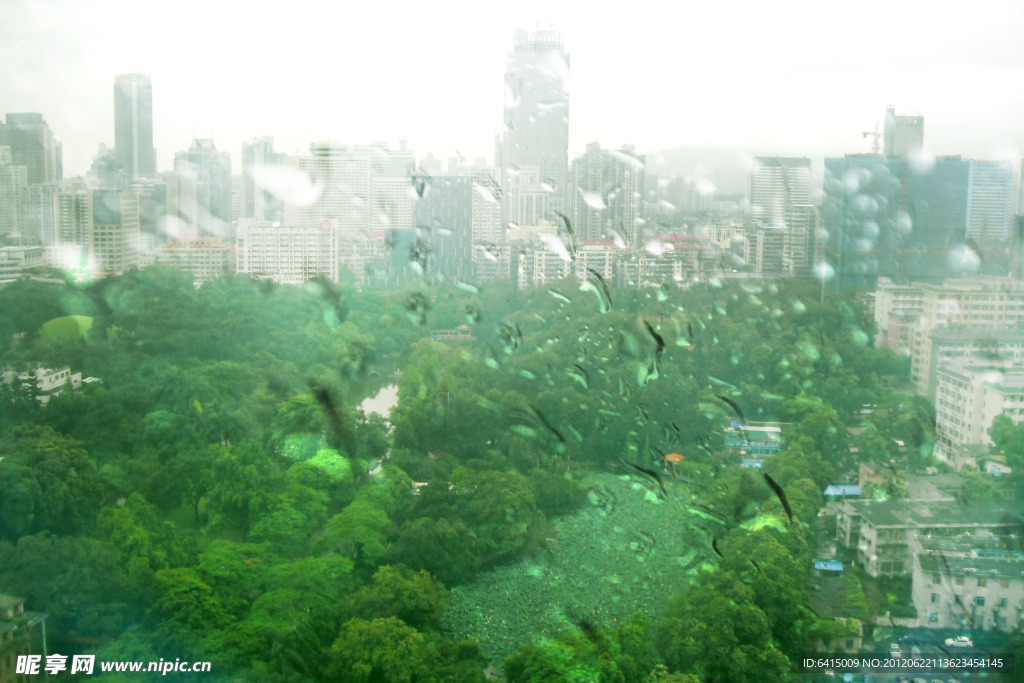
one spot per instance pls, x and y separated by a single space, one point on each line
444 342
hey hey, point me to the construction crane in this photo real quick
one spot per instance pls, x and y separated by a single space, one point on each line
877 135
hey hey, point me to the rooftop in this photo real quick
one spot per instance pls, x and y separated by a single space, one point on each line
909 513
942 564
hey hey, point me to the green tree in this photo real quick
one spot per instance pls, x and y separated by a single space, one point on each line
449 551
48 484
715 630
415 597
243 476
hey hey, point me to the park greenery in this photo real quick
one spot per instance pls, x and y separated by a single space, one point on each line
220 496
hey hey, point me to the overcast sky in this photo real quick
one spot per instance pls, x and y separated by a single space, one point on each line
766 77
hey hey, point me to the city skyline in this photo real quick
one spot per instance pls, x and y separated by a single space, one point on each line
783 80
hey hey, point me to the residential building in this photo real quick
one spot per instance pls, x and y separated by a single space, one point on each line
753 442
133 126
980 312
204 258
895 302
969 397
44 382
674 258
33 146
970 584
288 255
542 264
882 533
21 633
18 261
491 262
363 257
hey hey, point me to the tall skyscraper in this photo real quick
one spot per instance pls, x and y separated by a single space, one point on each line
359 187
33 146
14 207
780 197
133 126
259 160
989 199
113 231
537 113
202 176
904 135
883 215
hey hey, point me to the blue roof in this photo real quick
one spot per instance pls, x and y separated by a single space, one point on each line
828 565
843 490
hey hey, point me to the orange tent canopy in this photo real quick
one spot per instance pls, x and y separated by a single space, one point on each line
674 457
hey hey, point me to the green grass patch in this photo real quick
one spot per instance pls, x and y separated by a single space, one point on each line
68 328
625 551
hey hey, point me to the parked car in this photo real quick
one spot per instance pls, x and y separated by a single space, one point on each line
894 650
959 641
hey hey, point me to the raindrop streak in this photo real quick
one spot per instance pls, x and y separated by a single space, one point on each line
780 493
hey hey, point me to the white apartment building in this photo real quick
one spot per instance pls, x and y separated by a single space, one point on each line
989 198
288 255
968 398
349 185
44 381
979 308
976 584
18 261
944 346
893 301
204 258
491 262
884 533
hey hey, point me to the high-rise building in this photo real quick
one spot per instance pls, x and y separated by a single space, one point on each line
259 164
33 146
608 188
537 113
887 216
113 231
133 126
904 135
14 205
348 185
444 224
487 226
780 197
61 213
989 199
203 189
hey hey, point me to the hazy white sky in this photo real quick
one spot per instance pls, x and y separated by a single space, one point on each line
769 77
